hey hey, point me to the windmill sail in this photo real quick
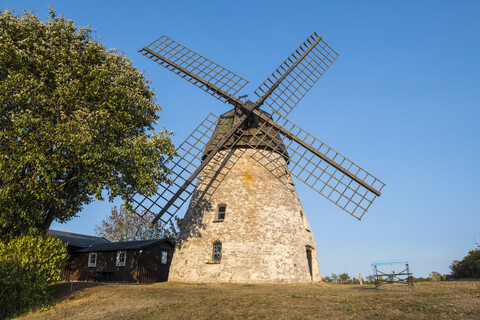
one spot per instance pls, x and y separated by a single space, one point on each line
332 175
287 85
190 155
200 71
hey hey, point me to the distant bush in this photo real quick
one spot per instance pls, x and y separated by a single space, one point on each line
370 279
343 278
421 279
354 281
435 276
28 264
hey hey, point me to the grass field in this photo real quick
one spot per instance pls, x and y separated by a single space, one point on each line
439 300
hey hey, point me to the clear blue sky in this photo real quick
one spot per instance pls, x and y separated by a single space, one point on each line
402 101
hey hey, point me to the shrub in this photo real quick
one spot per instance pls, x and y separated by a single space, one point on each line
343 278
370 279
28 264
435 276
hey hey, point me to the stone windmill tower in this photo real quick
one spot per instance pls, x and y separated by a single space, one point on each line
245 222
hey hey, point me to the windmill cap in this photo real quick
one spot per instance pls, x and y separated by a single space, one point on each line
256 135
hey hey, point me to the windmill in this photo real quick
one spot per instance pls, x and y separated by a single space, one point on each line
245 222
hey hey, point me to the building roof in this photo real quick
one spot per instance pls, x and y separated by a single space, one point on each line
262 137
124 245
76 239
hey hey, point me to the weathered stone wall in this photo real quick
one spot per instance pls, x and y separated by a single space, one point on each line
264 235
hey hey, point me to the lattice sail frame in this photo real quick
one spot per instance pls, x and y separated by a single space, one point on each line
170 53
318 174
301 78
190 154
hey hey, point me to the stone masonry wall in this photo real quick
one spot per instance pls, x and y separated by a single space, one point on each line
264 235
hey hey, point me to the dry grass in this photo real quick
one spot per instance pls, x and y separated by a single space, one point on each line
441 300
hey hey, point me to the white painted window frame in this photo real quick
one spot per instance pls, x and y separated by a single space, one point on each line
90 255
121 263
164 257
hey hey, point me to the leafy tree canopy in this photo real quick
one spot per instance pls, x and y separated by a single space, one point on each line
469 266
76 119
122 225
344 277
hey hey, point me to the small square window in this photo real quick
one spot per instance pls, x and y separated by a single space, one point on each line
164 257
92 259
121 258
222 209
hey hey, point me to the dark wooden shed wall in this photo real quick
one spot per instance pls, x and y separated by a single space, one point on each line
141 267
149 266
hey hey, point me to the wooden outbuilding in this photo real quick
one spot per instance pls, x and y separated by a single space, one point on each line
94 258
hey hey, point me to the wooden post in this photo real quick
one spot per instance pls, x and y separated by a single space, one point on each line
360 278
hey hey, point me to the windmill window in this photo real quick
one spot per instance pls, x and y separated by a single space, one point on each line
221 211
121 258
217 252
92 259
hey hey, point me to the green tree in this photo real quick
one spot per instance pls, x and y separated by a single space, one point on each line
334 277
28 264
469 266
123 225
76 119
344 277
